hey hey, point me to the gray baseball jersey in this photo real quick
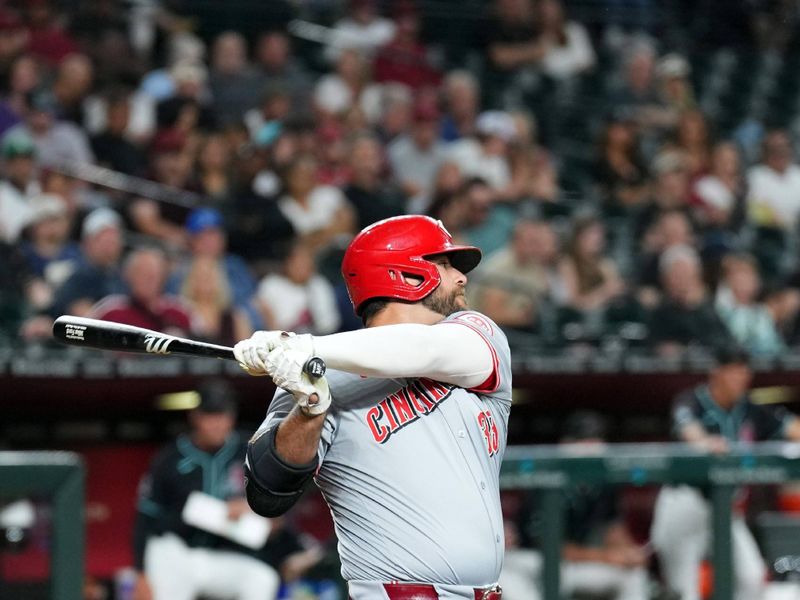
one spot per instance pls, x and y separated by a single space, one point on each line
410 471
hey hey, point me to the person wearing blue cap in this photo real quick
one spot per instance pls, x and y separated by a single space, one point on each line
208 238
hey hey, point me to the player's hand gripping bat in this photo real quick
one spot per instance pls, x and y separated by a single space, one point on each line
105 335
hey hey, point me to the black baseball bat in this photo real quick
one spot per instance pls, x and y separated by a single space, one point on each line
105 335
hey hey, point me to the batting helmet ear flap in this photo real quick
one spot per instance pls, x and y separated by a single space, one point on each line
379 258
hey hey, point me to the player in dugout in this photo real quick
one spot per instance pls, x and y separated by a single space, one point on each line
179 561
406 432
711 417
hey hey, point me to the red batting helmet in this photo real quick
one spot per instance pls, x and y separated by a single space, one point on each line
379 257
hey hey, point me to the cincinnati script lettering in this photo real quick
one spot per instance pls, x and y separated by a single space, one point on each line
405 406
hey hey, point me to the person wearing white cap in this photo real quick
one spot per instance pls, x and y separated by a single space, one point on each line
486 155
98 274
50 255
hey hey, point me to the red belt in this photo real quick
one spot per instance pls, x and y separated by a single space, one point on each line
422 591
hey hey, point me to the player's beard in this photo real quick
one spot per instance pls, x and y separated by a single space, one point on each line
446 303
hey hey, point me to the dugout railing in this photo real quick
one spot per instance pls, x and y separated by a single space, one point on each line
551 469
61 477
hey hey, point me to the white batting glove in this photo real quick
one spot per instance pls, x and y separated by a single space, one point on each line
251 352
285 365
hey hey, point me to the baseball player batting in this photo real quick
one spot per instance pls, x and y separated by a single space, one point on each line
406 433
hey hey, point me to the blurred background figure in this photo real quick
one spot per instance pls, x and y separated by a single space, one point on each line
298 298
18 185
600 556
685 315
146 304
208 297
513 286
98 273
713 417
208 239
175 559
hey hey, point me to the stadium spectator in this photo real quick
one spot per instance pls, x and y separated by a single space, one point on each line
213 173
669 191
18 185
718 196
487 223
231 79
512 36
177 560
72 85
711 418
774 185
447 181
396 112
637 96
591 280
208 238
319 214
405 59
620 171
331 151
182 48
685 316
514 282
568 49
349 86
416 156
15 307
98 274
25 75
112 146
362 29
50 255
298 298
278 66
15 38
693 139
372 198
675 88
672 228
145 304
462 101
534 173
56 141
487 154
190 106
599 556
170 165
265 122
47 38
208 296
738 304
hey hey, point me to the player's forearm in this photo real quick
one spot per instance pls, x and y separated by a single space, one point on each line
297 439
278 471
451 353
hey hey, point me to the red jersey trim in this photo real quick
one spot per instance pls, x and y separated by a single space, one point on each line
492 382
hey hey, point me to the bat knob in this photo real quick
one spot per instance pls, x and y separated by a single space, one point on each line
314 367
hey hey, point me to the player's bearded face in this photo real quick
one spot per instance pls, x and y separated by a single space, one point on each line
446 302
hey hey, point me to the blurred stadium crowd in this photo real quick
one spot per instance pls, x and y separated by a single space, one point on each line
198 167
